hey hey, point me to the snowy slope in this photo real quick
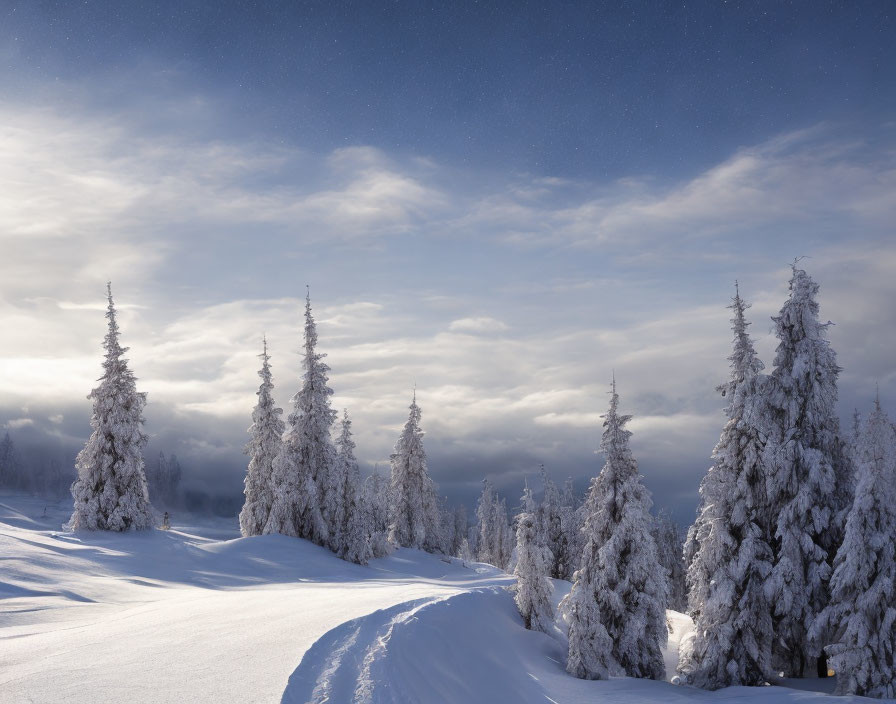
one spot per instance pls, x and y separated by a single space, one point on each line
182 616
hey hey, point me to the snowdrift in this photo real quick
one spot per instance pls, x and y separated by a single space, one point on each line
189 615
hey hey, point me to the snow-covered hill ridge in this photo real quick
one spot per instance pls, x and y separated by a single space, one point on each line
198 615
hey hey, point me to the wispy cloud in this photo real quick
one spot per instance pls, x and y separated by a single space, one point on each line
211 244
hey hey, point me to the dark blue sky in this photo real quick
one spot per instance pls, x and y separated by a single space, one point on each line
585 89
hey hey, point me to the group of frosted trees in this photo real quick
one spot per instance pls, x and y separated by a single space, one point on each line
615 610
305 483
790 561
301 481
791 558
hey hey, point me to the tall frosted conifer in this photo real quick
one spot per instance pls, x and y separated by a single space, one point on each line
550 527
616 606
413 516
485 525
357 522
533 587
861 616
303 473
732 643
263 447
110 492
376 493
669 551
806 474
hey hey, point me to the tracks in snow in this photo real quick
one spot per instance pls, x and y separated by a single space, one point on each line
344 665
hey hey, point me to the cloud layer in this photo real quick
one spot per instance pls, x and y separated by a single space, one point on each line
508 299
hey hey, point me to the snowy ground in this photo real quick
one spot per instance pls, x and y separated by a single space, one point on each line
197 614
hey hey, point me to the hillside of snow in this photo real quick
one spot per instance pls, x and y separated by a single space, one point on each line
198 614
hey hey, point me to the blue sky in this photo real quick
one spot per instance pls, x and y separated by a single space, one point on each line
500 202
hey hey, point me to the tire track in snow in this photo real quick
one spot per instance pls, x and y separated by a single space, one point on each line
337 667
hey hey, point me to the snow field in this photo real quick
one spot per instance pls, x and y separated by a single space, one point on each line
180 616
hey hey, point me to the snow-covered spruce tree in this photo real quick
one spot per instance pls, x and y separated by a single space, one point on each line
728 573
460 529
376 492
618 594
550 527
11 475
110 492
485 525
413 512
499 524
305 495
861 615
669 550
263 447
357 526
571 525
805 475
533 587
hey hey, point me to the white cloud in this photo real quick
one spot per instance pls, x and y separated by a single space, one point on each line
477 325
200 253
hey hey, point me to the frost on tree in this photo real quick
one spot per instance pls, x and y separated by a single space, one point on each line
732 559
357 528
11 475
263 447
861 616
376 493
616 607
807 475
571 525
303 472
494 536
486 550
110 492
459 533
550 528
413 515
669 550
533 591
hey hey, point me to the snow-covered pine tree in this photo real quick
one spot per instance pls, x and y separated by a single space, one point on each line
689 551
550 527
854 440
485 525
433 509
733 635
618 595
305 494
861 615
669 550
376 492
571 525
413 514
533 590
263 447
805 474
356 528
460 529
11 475
506 538
447 527
110 492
